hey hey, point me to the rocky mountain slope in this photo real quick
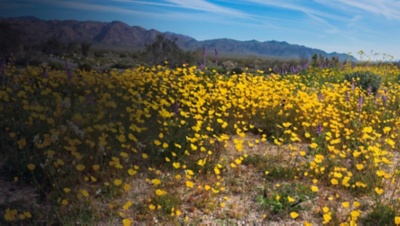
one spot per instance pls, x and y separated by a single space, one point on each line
31 30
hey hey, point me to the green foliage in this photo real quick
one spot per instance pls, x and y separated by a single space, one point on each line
53 46
323 62
272 166
123 65
85 66
9 38
285 198
168 202
237 70
164 49
85 48
56 65
276 171
364 79
381 215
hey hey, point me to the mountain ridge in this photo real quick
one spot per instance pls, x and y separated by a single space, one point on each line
116 33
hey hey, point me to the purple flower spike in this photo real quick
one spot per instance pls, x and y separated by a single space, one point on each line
45 75
384 99
204 55
320 96
68 71
369 90
89 99
319 129
216 56
175 108
3 71
360 103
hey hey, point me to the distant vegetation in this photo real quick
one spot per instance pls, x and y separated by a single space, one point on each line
85 55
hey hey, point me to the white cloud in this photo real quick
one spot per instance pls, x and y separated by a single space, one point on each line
320 16
208 7
300 7
96 7
15 4
387 8
147 3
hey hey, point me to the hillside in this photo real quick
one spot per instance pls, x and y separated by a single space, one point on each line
31 30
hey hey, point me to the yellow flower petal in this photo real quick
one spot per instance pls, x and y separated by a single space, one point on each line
294 215
378 190
117 182
31 167
189 184
80 167
126 222
84 192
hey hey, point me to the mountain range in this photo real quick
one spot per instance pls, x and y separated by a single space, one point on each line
118 34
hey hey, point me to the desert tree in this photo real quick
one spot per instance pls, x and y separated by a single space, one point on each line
164 49
85 48
10 41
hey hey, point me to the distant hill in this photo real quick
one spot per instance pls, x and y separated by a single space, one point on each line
32 30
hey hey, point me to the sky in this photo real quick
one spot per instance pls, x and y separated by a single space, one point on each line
344 26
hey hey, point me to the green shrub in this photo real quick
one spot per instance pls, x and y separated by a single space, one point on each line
237 70
85 66
365 80
56 65
381 215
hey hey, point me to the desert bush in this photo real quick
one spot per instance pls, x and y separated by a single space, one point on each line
368 81
237 70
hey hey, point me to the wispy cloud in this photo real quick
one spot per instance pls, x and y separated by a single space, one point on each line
320 16
200 5
300 7
208 7
89 6
7 4
148 3
386 8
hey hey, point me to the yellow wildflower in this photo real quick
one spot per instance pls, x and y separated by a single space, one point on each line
10 214
31 167
294 215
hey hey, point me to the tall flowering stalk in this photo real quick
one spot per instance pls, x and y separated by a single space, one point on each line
319 129
216 56
384 99
3 71
89 99
68 71
44 72
320 97
204 56
369 90
360 103
175 108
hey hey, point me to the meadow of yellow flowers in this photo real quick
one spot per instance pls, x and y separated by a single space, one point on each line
156 145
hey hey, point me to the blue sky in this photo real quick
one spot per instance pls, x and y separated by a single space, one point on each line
331 25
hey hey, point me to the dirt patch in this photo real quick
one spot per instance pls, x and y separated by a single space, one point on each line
14 195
